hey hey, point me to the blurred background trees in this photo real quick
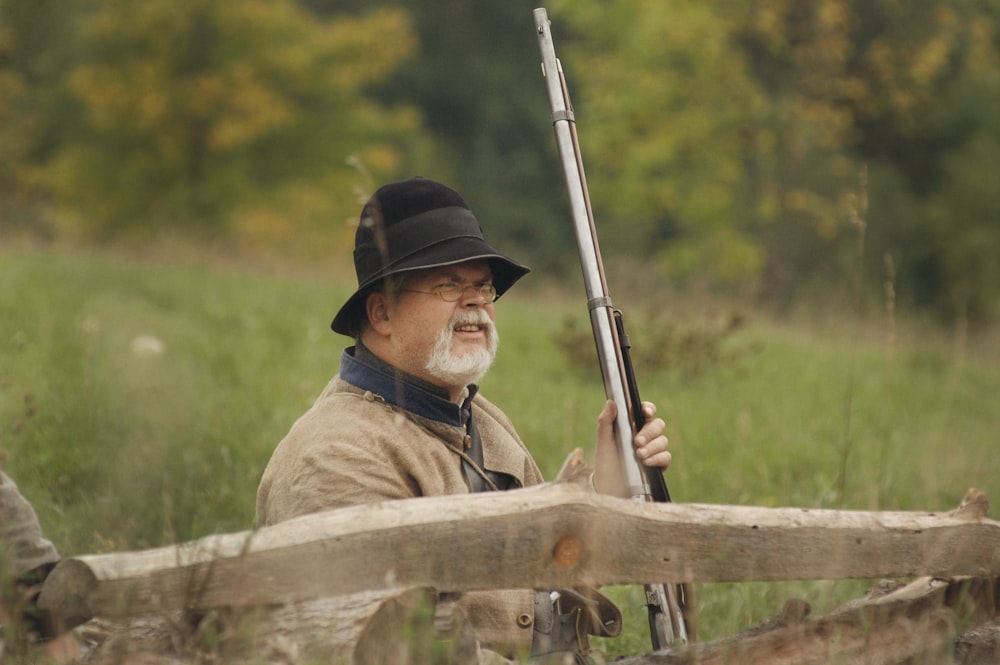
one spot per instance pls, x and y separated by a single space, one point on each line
766 149
245 122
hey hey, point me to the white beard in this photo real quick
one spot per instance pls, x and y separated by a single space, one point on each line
461 370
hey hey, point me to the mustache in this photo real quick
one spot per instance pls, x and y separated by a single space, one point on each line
472 317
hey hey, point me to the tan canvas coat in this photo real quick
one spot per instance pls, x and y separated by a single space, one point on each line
352 447
22 546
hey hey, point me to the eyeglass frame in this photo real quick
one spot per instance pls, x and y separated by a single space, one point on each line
487 290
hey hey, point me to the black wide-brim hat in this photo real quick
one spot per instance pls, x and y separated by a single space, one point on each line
412 225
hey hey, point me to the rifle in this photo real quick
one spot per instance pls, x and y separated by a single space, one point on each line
665 603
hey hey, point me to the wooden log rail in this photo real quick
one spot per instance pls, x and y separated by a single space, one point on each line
555 535
916 623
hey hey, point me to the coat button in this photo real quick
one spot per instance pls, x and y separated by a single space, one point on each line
524 620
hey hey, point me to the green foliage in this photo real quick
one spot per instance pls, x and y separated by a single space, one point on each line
477 79
667 52
725 143
217 117
667 151
962 214
35 39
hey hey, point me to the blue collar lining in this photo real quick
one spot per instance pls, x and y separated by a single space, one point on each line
360 368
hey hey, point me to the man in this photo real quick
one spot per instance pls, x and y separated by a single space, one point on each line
403 418
26 558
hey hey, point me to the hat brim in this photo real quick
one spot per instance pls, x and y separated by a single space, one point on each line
506 272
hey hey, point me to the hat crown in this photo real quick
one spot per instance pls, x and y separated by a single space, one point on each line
399 201
404 218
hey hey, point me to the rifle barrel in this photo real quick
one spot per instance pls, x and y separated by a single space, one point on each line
598 299
666 620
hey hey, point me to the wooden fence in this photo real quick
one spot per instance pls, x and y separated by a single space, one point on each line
562 535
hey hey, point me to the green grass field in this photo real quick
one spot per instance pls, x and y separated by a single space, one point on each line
139 403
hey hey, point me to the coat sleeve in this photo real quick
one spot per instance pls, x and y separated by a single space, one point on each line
21 543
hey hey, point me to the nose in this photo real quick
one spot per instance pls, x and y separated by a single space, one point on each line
472 295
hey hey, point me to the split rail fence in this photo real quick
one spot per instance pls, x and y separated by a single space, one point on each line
334 574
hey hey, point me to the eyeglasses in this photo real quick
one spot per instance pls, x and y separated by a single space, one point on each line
453 291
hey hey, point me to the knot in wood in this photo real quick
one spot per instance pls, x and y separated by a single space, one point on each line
567 552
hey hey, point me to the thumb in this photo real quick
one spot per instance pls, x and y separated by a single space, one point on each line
606 419
607 467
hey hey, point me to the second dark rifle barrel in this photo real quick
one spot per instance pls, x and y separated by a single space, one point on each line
665 616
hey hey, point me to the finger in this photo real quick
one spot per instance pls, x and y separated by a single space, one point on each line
648 409
657 445
655 442
650 431
660 460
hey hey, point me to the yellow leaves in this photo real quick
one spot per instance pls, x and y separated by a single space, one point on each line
768 20
300 220
381 158
982 35
833 16
261 227
238 107
730 258
126 99
11 89
344 52
161 64
370 46
825 123
201 111
908 59
808 204
931 60
828 47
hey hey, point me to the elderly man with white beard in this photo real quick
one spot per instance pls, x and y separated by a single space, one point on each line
403 418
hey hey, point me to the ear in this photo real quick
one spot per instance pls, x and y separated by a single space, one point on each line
377 309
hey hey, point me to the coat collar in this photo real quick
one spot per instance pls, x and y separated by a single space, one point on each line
362 368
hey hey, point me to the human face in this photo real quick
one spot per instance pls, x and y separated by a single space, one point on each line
450 344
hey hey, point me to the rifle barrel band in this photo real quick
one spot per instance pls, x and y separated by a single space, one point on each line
563 115
597 303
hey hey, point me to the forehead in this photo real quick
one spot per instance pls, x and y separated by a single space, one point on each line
468 271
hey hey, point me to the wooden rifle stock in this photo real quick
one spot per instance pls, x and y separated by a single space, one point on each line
666 617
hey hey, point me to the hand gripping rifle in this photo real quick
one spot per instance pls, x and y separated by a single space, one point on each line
666 617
